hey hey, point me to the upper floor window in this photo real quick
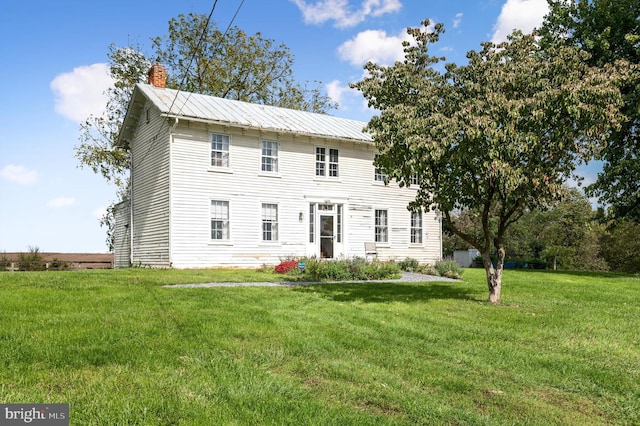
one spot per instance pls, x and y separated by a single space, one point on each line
327 161
416 227
269 156
378 175
269 222
219 220
219 150
381 226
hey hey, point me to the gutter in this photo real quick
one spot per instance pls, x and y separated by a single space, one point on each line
266 129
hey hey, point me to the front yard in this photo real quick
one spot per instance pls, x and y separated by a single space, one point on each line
120 349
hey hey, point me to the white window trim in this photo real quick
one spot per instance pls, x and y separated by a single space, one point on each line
275 173
278 220
222 169
382 243
378 176
327 163
228 240
411 228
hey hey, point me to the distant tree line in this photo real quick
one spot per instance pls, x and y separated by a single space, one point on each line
570 236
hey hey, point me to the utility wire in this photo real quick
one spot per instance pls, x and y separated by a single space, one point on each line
193 55
186 73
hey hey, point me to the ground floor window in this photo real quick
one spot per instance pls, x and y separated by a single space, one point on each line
381 226
219 220
416 227
269 222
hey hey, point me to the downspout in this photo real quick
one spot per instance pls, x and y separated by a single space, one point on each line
131 208
170 171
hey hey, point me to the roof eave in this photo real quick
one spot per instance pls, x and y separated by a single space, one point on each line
266 129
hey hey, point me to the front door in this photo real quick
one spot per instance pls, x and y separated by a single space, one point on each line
326 236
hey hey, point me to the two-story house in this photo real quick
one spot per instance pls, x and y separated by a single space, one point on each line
218 182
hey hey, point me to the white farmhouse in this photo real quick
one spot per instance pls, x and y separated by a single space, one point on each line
217 182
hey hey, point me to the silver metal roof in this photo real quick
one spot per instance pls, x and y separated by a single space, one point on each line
194 106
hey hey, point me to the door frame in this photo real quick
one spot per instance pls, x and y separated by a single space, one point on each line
322 239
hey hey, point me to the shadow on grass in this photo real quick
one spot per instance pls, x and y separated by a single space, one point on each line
391 292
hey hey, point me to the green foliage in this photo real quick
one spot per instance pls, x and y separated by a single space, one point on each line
409 265
31 261
495 141
353 269
233 65
228 65
609 30
621 246
4 262
449 269
334 271
565 236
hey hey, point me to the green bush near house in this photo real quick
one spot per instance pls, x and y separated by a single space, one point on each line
449 269
354 269
410 265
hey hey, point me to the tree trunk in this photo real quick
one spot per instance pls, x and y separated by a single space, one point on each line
494 276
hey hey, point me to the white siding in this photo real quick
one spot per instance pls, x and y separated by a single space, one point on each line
150 191
194 184
122 237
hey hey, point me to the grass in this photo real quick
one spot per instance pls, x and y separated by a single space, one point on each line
562 349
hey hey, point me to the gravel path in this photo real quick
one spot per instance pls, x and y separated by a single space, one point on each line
406 277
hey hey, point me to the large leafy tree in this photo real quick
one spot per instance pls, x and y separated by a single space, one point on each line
609 30
233 65
497 136
202 59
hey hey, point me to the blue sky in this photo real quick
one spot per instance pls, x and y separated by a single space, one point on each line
54 75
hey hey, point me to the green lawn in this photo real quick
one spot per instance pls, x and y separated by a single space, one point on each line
563 348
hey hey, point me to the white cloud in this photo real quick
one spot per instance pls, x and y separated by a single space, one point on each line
523 15
342 14
336 91
61 202
99 212
457 20
373 45
19 174
81 92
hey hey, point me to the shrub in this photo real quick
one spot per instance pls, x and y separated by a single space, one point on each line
59 265
337 270
355 269
32 261
286 267
4 263
429 270
410 265
313 269
449 269
387 270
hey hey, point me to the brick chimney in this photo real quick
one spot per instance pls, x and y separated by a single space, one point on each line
158 76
